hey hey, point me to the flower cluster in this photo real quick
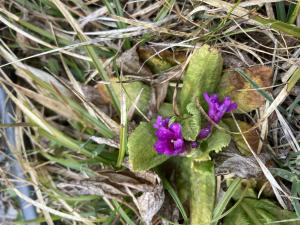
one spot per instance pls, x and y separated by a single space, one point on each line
216 111
169 137
170 140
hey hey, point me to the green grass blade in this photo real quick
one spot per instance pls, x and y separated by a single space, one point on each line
293 12
92 121
241 197
69 163
176 199
44 32
90 50
123 214
280 11
295 193
292 106
219 209
123 131
279 26
167 7
118 12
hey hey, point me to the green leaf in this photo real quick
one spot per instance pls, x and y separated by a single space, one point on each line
202 193
216 142
278 25
142 156
203 74
222 204
258 212
195 182
166 110
294 11
295 190
182 167
191 124
280 11
167 7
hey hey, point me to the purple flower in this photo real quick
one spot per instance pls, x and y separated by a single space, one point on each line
194 144
204 132
217 109
169 137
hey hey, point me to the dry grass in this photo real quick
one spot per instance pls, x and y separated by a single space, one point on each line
57 60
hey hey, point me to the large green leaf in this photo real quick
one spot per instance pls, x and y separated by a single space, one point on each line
216 142
202 192
191 122
196 188
142 156
258 212
203 74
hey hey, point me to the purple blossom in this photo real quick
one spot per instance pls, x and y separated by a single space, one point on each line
170 140
204 132
194 144
217 109
169 137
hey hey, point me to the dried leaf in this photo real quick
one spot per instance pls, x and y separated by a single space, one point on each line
252 136
129 62
162 61
117 185
133 89
95 95
98 187
240 166
132 180
149 203
169 211
161 93
235 86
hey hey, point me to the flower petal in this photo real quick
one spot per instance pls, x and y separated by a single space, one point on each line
164 134
233 106
178 146
206 97
217 109
161 146
176 129
161 122
158 122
